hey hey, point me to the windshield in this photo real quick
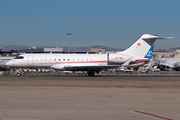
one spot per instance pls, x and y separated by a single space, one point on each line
19 57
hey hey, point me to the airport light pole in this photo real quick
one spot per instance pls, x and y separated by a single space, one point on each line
68 39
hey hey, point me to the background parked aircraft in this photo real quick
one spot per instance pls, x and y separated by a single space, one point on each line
2 65
173 64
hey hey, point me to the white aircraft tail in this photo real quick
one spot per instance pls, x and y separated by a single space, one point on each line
142 46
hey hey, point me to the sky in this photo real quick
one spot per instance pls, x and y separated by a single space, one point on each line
112 23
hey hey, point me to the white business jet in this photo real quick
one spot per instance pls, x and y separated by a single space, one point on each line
140 51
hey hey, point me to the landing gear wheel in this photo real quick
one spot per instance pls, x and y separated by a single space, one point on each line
91 73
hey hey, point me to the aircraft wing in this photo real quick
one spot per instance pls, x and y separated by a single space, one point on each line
86 68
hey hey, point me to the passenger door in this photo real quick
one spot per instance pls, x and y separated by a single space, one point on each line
30 60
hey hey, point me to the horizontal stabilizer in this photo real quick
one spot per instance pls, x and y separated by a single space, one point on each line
155 37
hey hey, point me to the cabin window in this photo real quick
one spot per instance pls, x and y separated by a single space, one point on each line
19 57
68 59
63 59
54 59
82 59
59 59
86 59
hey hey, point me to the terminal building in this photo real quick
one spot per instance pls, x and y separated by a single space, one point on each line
50 50
7 55
167 55
41 50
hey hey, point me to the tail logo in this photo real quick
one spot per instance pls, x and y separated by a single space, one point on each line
163 61
149 53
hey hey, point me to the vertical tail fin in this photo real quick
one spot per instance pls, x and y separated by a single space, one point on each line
142 45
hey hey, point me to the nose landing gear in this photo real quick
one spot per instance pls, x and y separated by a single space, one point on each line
18 74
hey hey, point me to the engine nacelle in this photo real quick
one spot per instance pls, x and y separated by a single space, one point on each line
119 58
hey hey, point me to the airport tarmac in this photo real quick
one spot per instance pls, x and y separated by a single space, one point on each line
87 98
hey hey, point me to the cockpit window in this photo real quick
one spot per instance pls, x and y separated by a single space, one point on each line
19 57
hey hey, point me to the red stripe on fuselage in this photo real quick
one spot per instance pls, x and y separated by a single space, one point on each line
142 60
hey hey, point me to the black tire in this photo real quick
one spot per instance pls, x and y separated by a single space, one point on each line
91 73
19 74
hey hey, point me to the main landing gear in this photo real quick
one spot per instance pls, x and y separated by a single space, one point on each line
91 73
